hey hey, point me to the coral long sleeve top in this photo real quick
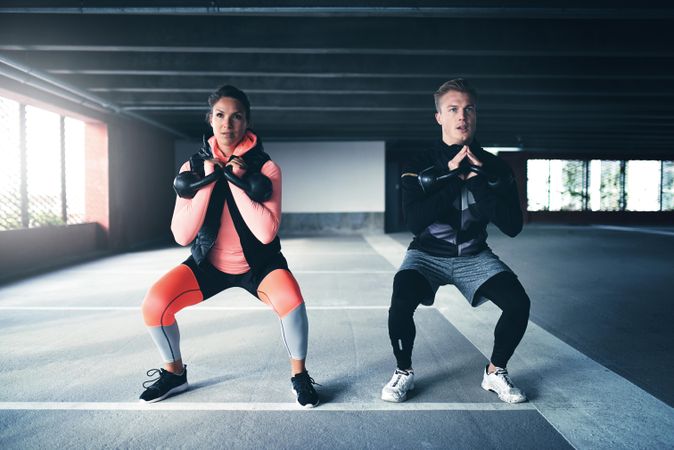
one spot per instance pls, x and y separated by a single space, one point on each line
263 219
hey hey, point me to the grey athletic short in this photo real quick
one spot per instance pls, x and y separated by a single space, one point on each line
467 273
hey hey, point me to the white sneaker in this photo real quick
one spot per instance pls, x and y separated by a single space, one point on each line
396 389
500 383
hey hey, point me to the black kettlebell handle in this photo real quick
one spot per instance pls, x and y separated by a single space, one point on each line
186 184
477 169
428 178
236 181
208 179
255 184
492 182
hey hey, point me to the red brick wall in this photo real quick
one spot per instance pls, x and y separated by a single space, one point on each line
97 204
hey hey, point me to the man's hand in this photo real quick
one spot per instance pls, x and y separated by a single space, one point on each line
464 153
453 163
473 160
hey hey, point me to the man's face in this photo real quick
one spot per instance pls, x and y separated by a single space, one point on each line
457 116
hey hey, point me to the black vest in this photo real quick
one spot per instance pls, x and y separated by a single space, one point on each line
258 255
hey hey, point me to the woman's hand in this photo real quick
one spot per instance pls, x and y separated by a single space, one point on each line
209 166
238 166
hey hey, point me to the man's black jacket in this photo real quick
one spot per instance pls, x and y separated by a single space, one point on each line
495 197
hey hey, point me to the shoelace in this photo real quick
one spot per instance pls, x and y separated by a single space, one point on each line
151 373
305 383
400 374
503 374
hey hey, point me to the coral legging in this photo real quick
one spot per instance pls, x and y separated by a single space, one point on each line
189 284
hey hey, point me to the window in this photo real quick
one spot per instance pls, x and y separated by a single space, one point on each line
555 185
642 185
42 174
668 185
10 166
600 185
538 184
605 188
43 164
567 181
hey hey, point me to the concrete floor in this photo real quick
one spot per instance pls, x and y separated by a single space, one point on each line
76 352
606 291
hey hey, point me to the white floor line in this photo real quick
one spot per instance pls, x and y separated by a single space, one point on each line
634 230
192 309
297 272
221 406
302 253
344 272
589 405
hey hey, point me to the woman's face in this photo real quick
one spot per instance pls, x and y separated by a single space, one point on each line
229 123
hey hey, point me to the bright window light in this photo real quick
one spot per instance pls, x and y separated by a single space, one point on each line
10 176
43 157
600 185
32 177
642 185
566 185
538 174
668 185
604 194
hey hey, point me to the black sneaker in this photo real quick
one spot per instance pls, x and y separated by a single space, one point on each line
304 390
166 385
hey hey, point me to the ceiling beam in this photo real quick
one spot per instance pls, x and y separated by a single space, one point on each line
488 12
290 74
520 86
367 92
356 65
430 36
550 52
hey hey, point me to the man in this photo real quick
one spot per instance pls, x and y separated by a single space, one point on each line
450 193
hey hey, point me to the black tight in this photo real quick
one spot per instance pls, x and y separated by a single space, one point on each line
410 289
506 291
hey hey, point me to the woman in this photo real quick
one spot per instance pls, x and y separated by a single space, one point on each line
234 244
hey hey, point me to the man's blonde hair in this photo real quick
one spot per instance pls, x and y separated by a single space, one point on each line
457 84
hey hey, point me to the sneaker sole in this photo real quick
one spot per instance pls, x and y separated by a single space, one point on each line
176 390
308 405
393 399
487 388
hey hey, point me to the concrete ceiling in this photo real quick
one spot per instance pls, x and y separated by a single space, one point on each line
572 75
